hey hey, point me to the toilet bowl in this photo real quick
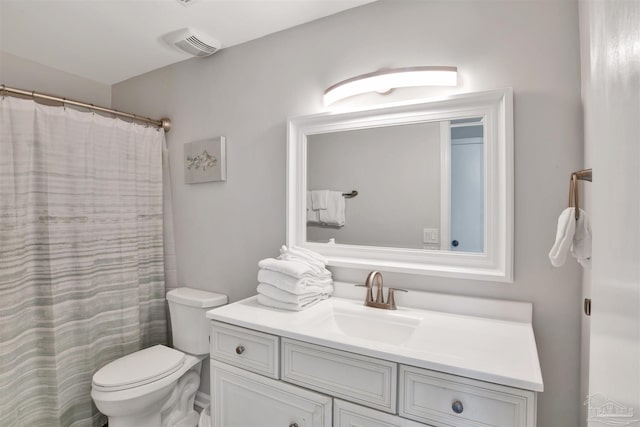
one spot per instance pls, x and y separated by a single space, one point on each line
156 386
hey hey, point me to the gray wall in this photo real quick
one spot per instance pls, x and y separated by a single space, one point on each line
28 75
396 171
247 92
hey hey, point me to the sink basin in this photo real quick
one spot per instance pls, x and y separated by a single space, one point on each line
357 321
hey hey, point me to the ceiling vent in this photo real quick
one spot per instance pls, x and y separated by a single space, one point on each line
186 2
193 42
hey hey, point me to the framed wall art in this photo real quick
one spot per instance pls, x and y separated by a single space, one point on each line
205 161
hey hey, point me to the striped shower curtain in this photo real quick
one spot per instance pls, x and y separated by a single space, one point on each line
81 256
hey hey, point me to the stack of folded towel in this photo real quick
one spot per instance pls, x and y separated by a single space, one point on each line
296 280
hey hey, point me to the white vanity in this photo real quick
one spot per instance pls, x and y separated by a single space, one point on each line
456 361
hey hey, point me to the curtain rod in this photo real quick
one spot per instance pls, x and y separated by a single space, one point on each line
162 123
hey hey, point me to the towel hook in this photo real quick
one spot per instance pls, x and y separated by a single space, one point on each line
573 190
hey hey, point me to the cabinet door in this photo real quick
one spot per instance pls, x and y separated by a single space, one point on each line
347 414
244 399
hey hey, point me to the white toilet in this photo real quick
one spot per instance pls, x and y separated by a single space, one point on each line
156 386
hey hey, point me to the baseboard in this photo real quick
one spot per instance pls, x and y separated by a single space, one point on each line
202 400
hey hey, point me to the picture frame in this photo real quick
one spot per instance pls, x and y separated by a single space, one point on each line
205 161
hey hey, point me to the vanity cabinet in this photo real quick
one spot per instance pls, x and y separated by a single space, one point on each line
263 380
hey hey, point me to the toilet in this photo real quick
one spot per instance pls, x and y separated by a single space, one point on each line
156 386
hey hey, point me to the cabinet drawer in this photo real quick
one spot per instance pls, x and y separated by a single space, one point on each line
347 414
429 396
244 399
360 379
255 351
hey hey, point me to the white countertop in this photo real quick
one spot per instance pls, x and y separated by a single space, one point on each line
483 348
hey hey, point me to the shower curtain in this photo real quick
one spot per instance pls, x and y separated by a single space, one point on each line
81 256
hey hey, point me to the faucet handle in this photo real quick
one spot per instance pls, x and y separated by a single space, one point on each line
391 301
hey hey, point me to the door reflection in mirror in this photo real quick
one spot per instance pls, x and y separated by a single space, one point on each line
467 186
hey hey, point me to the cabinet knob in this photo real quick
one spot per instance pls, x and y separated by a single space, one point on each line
457 407
240 349
293 425
454 243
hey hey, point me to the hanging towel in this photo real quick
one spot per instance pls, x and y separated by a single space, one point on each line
292 284
312 216
334 213
270 302
319 199
581 247
564 237
310 293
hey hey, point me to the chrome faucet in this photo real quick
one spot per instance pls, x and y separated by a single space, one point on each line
375 278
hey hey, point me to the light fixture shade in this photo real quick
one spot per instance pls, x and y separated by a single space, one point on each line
385 80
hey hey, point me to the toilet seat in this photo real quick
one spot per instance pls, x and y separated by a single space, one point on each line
139 368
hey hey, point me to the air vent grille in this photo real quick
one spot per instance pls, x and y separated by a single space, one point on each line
186 2
193 42
196 42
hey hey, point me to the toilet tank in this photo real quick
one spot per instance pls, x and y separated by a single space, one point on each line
189 325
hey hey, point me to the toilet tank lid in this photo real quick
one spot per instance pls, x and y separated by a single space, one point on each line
196 297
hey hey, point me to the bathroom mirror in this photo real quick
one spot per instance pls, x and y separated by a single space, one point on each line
434 185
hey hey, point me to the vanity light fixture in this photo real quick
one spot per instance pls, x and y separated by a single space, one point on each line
385 80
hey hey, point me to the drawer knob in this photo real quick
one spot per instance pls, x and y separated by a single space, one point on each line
457 407
293 425
240 349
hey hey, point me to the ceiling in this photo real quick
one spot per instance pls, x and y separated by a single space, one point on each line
112 40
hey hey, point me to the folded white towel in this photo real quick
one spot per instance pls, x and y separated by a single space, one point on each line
319 199
292 284
304 254
270 302
564 237
315 260
334 213
310 293
293 268
581 247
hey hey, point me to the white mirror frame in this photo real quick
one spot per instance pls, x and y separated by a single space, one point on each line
495 264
